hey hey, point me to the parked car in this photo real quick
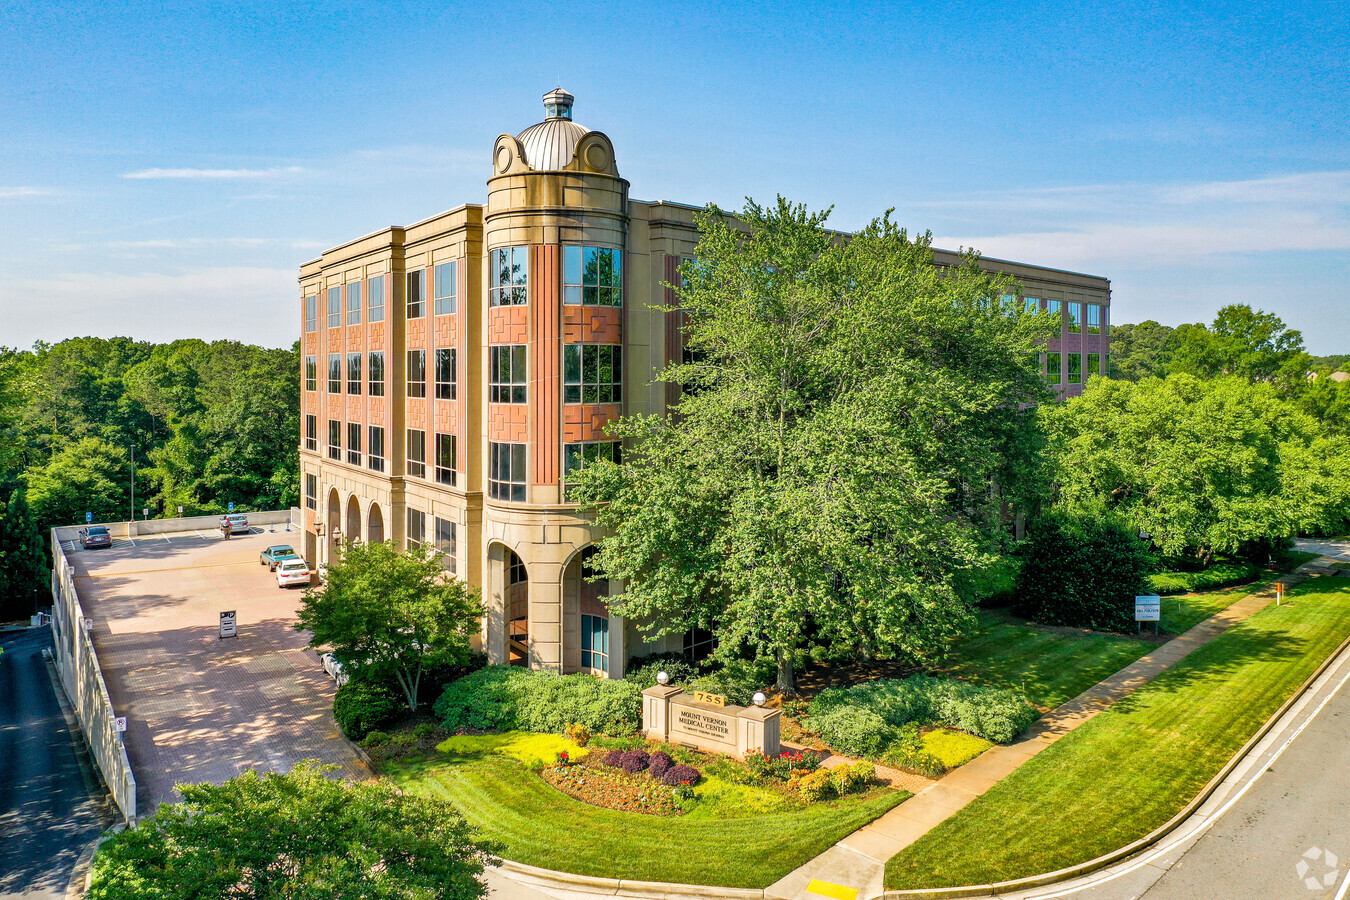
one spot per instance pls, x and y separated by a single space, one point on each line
292 572
275 554
238 523
332 666
95 536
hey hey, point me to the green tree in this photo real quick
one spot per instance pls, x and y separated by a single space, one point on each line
297 836
1082 567
1207 466
1138 351
1251 344
23 559
392 615
89 475
826 473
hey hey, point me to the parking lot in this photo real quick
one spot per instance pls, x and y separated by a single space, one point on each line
200 708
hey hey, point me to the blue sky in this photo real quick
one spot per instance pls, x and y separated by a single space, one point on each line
165 168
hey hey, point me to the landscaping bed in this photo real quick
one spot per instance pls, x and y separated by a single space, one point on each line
1134 766
613 789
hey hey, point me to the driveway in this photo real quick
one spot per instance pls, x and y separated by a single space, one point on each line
200 708
1335 549
50 805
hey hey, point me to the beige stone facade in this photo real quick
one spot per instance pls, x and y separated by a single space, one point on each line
455 368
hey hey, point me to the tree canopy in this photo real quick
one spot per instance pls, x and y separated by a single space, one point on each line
297 836
391 615
824 477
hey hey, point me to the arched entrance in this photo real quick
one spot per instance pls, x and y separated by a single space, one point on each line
352 530
587 643
516 597
374 524
333 521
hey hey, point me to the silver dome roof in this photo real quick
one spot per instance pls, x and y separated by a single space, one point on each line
552 143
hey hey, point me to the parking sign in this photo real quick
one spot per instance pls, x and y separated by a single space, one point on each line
231 506
227 625
88 517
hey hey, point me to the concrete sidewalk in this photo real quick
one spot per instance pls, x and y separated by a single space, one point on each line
858 862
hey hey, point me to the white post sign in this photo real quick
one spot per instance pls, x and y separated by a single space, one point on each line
1147 608
121 724
227 625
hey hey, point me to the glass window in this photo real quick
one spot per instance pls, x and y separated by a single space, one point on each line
354 443
375 452
509 274
445 459
334 307
592 373
447 543
375 299
592 276
417 373
417 527
507 373
311 373
1094 364
1075 368
699 643
334 439
311 313
353 373
445 374
1073 317
1033 304
354 303
506 472
311 432
335 373
417 454
1053 372
311 490
595 642
447 288
1052 307
417 303
577 456
515 569
375 374
1094 318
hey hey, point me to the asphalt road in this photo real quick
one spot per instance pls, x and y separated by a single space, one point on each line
48 815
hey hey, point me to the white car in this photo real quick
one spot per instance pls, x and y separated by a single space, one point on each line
292 572
333 667
237 523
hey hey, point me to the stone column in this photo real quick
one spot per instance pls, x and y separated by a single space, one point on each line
656 711
757 729
546 621
618 652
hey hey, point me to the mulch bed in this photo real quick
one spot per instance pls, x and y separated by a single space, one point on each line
613 789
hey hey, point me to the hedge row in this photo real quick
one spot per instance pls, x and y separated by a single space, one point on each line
503 698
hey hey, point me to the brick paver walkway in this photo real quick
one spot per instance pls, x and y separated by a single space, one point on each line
859 860
200 708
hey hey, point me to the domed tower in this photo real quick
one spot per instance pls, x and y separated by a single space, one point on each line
555 232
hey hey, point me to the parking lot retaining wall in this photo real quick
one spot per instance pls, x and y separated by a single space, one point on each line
82 680
266 518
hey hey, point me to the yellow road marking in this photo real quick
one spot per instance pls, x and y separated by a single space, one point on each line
833 891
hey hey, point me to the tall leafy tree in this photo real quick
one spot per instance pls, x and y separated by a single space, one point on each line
827 472
1138 351
298 836
90 475
392 615
1251 344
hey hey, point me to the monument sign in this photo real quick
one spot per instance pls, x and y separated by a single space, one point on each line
669 714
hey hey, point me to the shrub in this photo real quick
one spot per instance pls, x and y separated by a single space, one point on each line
499 698
783 766
851 730
635 761
375 739
360 707
1223 573
680 775
1082 568
642 670
578 734
614 758
819 785
660 761
908 752
998 714
425 731
738 681
954 748
852 778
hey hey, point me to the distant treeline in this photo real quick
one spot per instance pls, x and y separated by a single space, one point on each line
208 424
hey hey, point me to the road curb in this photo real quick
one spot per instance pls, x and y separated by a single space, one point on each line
589 884
1144 843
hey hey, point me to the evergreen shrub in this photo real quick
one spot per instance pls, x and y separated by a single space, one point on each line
360 707
500 698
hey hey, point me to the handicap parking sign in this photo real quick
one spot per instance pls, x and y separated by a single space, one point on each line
88 517
231 506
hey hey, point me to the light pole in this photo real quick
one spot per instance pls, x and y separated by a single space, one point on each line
133 482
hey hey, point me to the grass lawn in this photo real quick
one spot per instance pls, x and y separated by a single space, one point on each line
1182 612
1130 769
1050 666
734 836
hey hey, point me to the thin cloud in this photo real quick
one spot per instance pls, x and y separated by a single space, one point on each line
20 192
187 243
212 174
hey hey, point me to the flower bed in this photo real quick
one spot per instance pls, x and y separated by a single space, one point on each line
613 789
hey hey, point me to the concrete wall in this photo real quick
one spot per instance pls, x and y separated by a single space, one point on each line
265 518
83 682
